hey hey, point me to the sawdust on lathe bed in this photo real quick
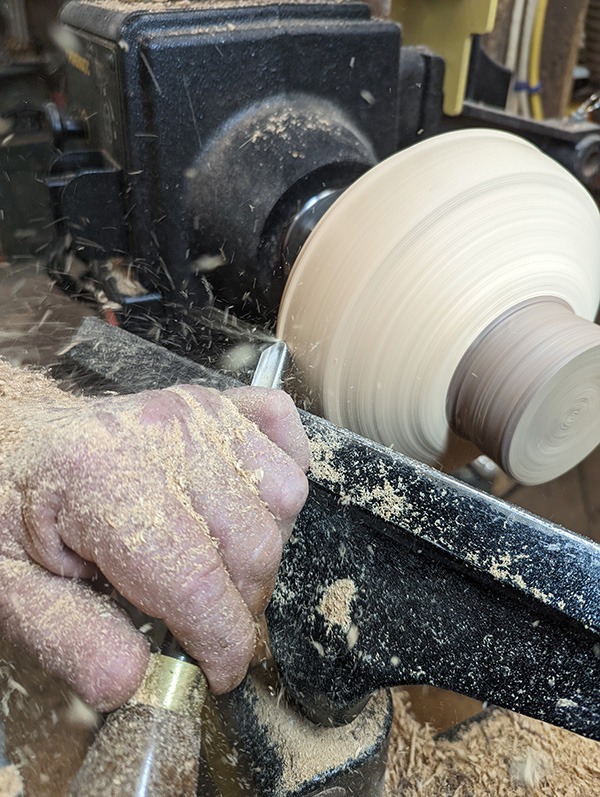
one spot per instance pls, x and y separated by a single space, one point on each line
305 749
501 755
336 601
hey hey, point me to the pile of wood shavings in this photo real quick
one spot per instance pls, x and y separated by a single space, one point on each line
503 754
11 783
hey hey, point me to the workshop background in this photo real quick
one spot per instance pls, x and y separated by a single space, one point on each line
47 730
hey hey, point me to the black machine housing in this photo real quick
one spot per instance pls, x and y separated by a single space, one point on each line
210 127
203 140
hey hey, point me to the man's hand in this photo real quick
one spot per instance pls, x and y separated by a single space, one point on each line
181 498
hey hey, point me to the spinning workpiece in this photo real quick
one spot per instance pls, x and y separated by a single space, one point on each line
453 288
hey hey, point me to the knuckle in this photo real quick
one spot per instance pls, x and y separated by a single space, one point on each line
292 497
264 559
162 405
205 583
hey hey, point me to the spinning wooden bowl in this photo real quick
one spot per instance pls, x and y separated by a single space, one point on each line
453 289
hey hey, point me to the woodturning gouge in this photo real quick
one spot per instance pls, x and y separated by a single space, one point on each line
444 585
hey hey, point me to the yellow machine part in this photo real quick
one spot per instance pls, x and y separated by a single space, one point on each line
446 27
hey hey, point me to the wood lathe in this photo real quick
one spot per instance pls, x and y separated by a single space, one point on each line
255 157
450 288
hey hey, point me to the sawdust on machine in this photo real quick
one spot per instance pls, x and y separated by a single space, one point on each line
336 603
386 498
306 749
322 462
170 5
335 607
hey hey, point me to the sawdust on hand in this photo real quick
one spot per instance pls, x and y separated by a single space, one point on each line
113 469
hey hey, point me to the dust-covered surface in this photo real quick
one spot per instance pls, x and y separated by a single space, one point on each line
175 5
502 754
306 750
336 603
485 534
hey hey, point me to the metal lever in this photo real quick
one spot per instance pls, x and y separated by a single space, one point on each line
399 574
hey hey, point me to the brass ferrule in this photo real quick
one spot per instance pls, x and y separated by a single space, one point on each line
173 685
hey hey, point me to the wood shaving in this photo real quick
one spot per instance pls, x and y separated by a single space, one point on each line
11 782
501 754
79 713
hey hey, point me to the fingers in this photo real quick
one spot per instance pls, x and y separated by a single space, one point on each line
74 632
173 570
282 484
277 453
183 513
224 493
275 414
250 540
